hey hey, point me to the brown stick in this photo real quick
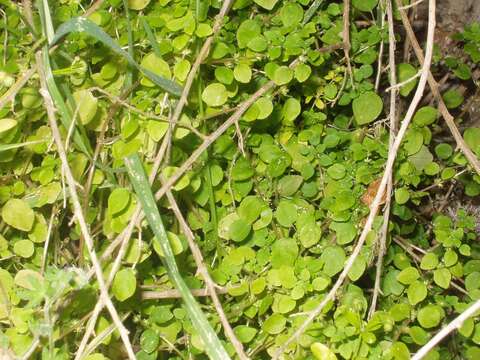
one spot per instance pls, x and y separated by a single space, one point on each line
175 294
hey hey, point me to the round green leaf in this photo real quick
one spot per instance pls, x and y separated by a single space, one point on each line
291 14
149 341
24 248
453 98
429 261
239 230
18 214
124 284
417 292
407 72
247 31
274 324
282 75
425 116
138 4
215 94
266 4
118 200
87 105
364 5
245 333
156 65
408 275
7 124
322 352
242 73
367 107
430 316
442 277
302 72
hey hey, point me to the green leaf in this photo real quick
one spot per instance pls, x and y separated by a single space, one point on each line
286 213
246 32
83 25
334 260
364 5
472 138
124 284
283 75
138 4
367 107
289 184
453 98
7 124
213 346
417 292
402 195
87 105
118 200
322 352
245 333
442 277
266 4
430 316
407 72
239 230
24 248
18 214
215 94
291 110
346 232
149 341
408 275
429 261
242 73
291 14
302 72
155 65
274 324
425 116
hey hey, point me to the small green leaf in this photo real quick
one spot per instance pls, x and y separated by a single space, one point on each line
239 230
429 261
408 275
302 72
138 4
215 94
245 333
118 200
24 248
266 4
274 324
425 116
87 105
149 341
365 5
283 75
18 214
417 292
322 352
402 195
367 107
291 14
407 72
442 277
453 98
430 316
7 124
242 73
124 284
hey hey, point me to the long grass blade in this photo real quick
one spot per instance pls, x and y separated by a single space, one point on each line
66 115
213 346
80 24
6 147
311 11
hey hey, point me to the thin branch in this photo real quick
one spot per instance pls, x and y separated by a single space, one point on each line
449 119
78 209
15 88
381 189
393 126
346 38
175 294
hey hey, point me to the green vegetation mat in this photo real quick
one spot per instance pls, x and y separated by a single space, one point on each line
218 161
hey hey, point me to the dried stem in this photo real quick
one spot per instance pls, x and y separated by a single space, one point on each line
393 126
381 189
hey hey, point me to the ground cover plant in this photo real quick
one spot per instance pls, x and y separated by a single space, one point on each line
248 179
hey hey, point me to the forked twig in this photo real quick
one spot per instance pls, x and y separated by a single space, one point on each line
381 189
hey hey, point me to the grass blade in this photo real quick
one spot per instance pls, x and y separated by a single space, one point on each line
86 26
311 11
151 37
6 147
213 346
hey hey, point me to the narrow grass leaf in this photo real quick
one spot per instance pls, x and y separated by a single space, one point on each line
86 26
213 346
